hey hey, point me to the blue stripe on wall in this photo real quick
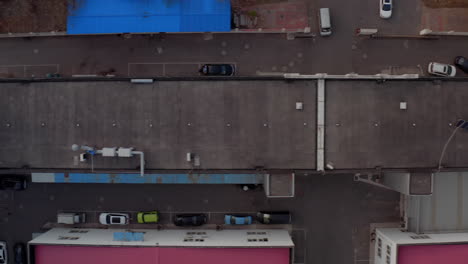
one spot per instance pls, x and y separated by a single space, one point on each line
134 178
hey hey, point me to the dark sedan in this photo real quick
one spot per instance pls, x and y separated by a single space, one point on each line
190 219
462 63
15 183
217 69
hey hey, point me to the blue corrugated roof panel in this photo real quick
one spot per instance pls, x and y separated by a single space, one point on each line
129 16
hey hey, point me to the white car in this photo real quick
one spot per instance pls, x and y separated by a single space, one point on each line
114 218
441 69
3 252
386 8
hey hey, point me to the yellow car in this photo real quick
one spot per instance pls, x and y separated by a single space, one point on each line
148 217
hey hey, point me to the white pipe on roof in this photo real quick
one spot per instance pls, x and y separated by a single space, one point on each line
142 161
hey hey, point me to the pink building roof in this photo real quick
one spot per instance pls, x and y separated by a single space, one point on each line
433 254
46 254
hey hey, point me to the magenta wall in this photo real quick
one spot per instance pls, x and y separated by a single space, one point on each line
433 254
154 255
223 256
91 255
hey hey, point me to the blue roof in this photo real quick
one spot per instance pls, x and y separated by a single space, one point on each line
142 16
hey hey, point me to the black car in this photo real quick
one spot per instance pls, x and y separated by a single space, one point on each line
274 217
20 253
190 219
462 63
218 69
15 183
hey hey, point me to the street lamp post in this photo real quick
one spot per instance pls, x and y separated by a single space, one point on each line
460 124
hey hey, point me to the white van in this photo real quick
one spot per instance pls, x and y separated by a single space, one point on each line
71 218
324 20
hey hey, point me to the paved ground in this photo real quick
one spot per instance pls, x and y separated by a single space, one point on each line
405 20
330 214
445 19
169 55
272 15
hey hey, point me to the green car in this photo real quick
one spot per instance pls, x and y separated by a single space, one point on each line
148 217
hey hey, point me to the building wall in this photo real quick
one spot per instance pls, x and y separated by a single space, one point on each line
401 237
56 254
417 248
397 181
385 251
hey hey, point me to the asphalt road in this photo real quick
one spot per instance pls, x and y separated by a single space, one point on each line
181 55
330 213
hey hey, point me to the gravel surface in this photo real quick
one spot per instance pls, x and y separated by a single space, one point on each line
21 16
446 3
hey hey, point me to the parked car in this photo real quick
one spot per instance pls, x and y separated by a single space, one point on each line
114 218
462 63
218 69
325 22
71 218
386 8
16 183
190 219
274 217
148 217
237 220
441 69
3 252
20 253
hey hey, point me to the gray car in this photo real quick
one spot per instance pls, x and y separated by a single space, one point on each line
3 252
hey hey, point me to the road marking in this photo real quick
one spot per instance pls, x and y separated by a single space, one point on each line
163 64
26 66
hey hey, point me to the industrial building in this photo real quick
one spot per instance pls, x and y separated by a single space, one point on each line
94 246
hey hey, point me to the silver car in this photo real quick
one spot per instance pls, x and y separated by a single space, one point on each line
441 69
114 218
3 252
385 8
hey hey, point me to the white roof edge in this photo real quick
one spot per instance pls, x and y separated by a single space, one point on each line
262 238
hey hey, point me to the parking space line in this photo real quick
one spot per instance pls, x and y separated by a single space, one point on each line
163 64
25 67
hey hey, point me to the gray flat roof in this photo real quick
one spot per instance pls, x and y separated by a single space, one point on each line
365 127
231 124
228 124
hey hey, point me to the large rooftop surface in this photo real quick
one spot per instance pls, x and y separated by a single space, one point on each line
365 127
241 124
228 125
